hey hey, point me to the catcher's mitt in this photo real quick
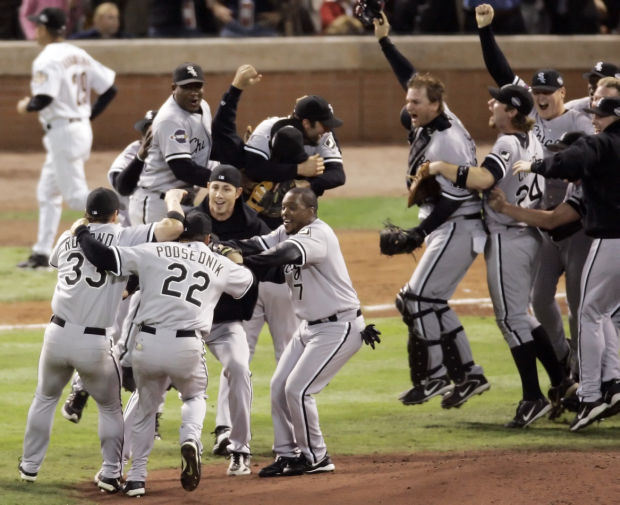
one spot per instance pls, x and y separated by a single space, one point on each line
423 188
266 197
367 10
396 240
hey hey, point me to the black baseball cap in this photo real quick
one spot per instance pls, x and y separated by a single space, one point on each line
226 173
565 140
50 17
547 80
316 108
515 96
102 202
603 69
196 224
607 106
146 121
187 73
288 146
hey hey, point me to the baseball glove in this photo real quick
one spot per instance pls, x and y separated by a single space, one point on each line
423 188
266 197
370 335
231 253
396 240
367 10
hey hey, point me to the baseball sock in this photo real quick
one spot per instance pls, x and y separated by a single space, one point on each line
525 359
546 355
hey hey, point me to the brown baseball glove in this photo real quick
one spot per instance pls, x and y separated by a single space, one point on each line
423 188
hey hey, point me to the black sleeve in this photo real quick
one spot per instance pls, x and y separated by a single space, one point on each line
267 265
581 159
402 67
332 177
38 102
494 167
442 210
186 170
494 58
227 145
236 309
96 252
102 101
258 168
126 180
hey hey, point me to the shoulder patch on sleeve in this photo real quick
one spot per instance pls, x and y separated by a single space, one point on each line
180 136
505 156
304 231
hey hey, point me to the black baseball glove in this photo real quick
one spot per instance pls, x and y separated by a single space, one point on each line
370 335
396 240
367 10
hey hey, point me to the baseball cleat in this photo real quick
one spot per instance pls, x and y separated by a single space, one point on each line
612 398
239 464
190 465
109 484
428 389
301 465
35 261
529 411
74 406
222 439
134 488
276 469
26 476
556 394
474 384
588 413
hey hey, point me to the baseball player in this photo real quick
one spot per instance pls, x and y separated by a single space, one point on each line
181 282
594 160
84 305
307 253
565 249
63 77
513 246
600 70
179 154
438 348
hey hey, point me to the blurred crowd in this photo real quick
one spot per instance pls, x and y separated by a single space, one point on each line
96 19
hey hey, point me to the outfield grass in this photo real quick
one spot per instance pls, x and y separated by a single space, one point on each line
359 413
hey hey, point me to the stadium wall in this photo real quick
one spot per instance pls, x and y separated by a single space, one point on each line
350 72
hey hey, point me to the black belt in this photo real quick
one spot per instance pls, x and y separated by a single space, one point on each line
332 319
180 333
48 126
477 215
89 330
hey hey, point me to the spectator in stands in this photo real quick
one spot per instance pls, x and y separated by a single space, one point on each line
337 18
423 16
176 18
246 18
73 11
106 24
574 16
9 20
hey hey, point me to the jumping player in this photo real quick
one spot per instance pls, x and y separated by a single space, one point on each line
63 76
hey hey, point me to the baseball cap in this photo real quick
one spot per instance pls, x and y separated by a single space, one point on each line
187 73
146 121
565 140
547 79
50 17
316 108
288 145
196 224
102 202
515 96
603 69
226 173
607 106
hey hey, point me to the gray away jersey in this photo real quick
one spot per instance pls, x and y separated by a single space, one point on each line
321 285
181 282
85 295
523 189
177 134
260 143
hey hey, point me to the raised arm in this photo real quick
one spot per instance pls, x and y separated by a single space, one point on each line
494 59
401 66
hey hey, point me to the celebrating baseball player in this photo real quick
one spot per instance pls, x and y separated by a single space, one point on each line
63 76
181 282
564 249
600 70
305 250
512 248
84 305
451 226
594 160
179 154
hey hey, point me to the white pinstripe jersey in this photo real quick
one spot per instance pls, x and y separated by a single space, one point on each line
67 73
177 134
321 285
85 295
260 143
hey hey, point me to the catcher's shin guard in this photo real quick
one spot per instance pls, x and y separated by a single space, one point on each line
457 370
417 349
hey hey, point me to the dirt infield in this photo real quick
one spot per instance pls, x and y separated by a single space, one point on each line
476 478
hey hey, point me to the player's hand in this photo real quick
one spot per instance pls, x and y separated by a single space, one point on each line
522 166
312 167
382 27
80 222
175 195
22 104
147 140
484 15
245 76
302 183
497 200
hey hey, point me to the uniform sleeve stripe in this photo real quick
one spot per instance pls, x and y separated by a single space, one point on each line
332 160
245 290
456 197
151 233
177 156
117 257
499 161
257 151
301 249
263 244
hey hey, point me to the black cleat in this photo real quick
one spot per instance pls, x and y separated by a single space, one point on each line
473 385
190 465
528 411
73 407
426 390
